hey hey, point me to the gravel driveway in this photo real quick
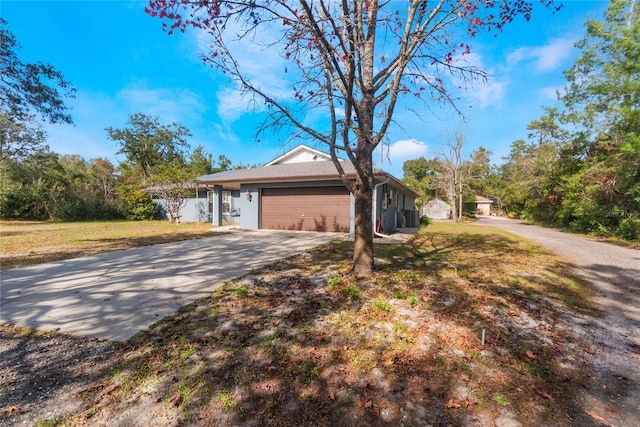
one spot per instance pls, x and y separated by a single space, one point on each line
614 272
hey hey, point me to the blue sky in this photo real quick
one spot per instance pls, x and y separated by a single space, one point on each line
121 62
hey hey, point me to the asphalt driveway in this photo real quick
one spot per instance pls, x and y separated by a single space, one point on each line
117 294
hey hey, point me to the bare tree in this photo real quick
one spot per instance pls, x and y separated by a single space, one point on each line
451 179
351 62
173 185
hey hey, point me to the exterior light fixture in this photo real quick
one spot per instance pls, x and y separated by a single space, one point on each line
249 197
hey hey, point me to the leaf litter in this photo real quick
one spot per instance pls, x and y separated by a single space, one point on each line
305 343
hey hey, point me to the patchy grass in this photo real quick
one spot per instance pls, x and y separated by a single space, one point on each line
28 242
303 342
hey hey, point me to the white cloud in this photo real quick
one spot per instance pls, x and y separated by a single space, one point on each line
392 156
406 149
232 104
67 139
545 58
260 63
488 94
171 105
480 93
225 134
94 111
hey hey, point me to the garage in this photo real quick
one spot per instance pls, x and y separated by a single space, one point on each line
305 208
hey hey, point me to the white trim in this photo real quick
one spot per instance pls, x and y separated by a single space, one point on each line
297 150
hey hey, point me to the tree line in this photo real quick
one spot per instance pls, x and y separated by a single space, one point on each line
579 166
44 185
39 184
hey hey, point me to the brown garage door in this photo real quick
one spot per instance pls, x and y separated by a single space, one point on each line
305 208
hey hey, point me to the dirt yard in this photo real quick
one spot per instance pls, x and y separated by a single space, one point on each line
438 336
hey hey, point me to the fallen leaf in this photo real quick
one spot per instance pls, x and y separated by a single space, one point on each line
530 354
332 395
470 402
545 395
465 378
596 416
108 390
267 387
175 399
368 404
10 410
451 404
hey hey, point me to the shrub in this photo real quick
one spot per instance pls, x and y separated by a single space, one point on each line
629 228
138 205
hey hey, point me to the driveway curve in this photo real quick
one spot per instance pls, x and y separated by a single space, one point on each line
614 272
117 294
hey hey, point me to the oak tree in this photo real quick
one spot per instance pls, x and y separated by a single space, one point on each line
148 144
27 90
352 62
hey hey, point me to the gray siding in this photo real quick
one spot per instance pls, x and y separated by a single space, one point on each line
395 207
246 212
194 210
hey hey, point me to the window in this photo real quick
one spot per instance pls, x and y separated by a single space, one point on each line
226 201
210 202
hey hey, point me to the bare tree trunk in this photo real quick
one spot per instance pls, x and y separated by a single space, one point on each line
460 200
454 205
363 237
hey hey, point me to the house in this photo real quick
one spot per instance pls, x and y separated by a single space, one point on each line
483 205
436 209
193 209
301 190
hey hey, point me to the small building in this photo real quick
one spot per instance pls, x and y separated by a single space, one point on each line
301 190
436 209
483 205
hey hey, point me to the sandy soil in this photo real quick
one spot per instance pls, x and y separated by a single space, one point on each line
614 393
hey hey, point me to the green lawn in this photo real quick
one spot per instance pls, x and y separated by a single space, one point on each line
27 242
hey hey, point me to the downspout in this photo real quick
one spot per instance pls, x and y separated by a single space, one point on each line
375 208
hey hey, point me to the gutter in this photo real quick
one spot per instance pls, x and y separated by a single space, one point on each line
375 207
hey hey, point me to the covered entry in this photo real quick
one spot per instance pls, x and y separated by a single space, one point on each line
305 208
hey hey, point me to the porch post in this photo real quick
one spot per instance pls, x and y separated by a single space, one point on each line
217 205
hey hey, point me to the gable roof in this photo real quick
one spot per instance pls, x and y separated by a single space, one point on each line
480 199
299 154
300 171
321 170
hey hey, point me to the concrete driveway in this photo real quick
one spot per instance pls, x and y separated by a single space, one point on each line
117 294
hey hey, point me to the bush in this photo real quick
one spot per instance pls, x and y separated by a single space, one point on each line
629 228
138 205
424 221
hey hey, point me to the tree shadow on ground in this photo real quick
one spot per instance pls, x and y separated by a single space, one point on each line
305 343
